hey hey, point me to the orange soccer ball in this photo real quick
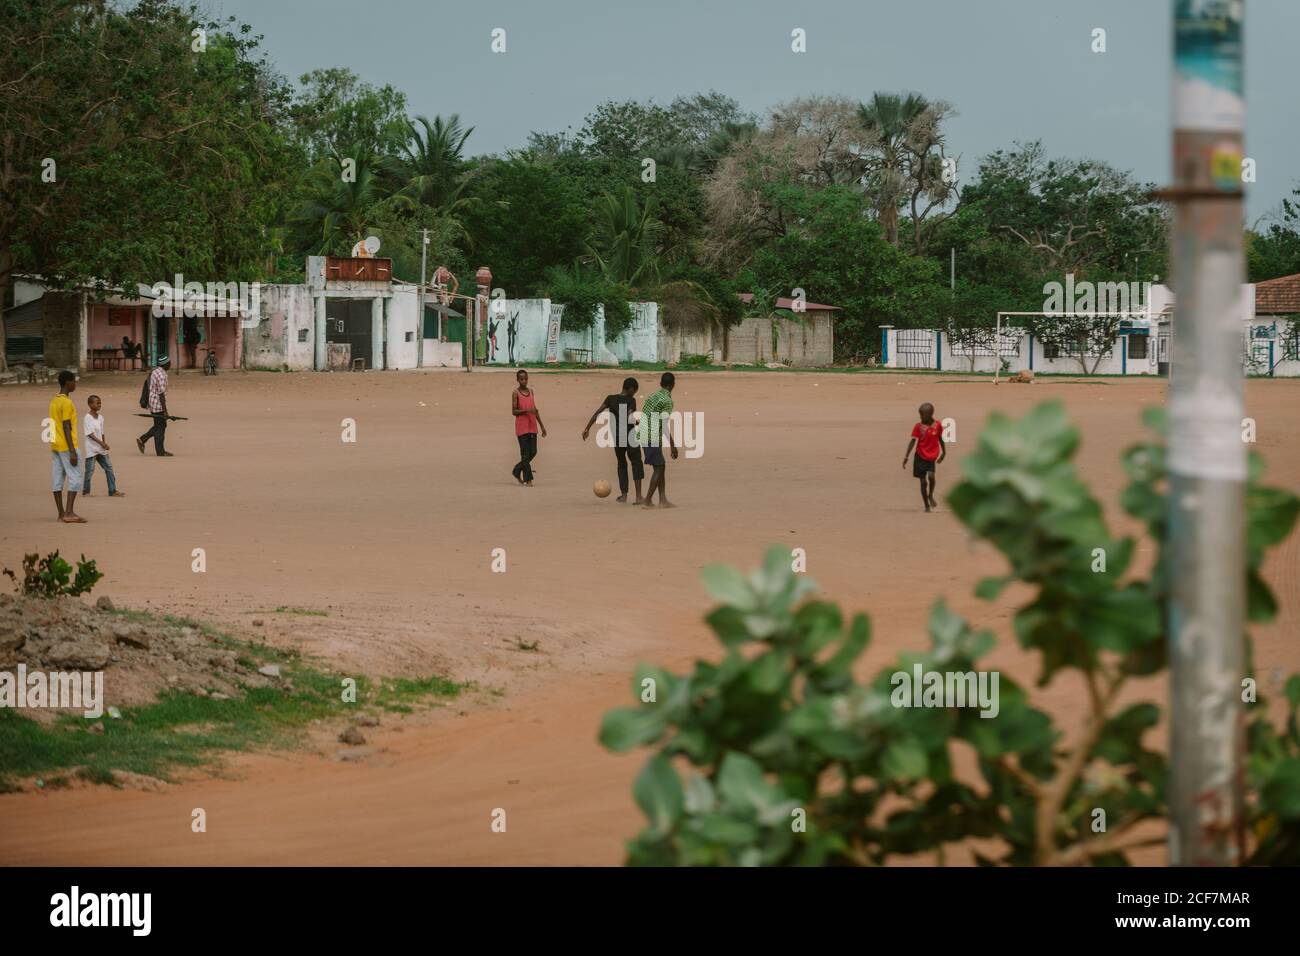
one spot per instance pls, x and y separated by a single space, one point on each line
601 488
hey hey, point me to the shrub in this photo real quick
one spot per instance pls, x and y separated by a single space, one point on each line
794 761
49 576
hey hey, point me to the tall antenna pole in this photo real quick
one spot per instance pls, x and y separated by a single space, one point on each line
419 323
1207 460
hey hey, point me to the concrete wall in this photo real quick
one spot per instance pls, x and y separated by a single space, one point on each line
807 343
65 330
638 343
285 311
674 343
530 317
749 342
443 354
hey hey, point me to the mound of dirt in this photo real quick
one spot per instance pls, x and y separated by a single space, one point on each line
140 656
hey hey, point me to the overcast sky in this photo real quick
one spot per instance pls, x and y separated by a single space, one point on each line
1014 69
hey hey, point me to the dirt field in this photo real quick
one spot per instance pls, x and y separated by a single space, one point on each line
392 536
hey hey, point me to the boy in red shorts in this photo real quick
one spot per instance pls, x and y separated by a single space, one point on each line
927 437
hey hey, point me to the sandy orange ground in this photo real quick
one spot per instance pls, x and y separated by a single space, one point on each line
393 537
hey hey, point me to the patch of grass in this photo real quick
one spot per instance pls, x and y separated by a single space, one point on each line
181 730
397 694
301 610
95 775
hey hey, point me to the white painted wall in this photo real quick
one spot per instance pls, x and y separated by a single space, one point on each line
403 318
636 344
443 354
1259 347
955 360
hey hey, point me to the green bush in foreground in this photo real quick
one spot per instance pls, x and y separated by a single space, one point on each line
51 576
794 761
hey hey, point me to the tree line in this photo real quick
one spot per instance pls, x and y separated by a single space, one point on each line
144 142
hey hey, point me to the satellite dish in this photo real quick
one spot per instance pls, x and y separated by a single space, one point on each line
366 248
372 244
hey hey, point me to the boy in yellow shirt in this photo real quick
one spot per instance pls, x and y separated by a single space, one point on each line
66 464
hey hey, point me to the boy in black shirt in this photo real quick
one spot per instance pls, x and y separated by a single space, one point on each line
622 431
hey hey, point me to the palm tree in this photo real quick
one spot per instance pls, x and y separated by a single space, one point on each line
339 210
433 169
701 158
888 119
625 242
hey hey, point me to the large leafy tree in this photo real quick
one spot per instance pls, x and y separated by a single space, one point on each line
135 147
755 192
337 115
1273 248
529 218
1076 216
839 256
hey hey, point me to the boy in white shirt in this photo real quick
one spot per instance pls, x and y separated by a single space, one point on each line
96 450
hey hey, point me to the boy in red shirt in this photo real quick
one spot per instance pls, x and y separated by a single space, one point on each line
930 451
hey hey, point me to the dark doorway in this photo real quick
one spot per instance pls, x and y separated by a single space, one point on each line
348 320
161 335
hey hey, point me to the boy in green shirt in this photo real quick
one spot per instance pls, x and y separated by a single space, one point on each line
653 424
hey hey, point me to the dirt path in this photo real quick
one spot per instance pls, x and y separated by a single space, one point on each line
393 537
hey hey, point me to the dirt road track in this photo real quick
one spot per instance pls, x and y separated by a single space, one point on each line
393 536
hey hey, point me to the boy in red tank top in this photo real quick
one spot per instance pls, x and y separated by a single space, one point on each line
927 437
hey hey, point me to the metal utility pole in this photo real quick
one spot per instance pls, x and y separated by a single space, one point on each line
952 268
1207 459
419 324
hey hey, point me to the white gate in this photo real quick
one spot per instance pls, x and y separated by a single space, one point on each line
916 348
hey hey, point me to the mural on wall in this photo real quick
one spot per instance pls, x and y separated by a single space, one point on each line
512 331
493 324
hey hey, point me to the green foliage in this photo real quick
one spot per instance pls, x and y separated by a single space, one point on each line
51 576
337 114
129 109
625 242
1274 250
840 257
1079 216
530 220
582 291
794 761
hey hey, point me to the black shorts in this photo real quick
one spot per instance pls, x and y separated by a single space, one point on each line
921 465
654 455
